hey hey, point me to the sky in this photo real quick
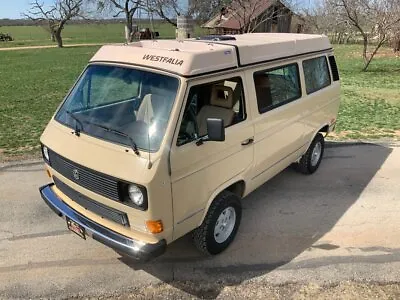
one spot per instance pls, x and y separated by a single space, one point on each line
12 9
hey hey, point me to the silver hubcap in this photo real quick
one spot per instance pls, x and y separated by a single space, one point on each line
225 224
316 154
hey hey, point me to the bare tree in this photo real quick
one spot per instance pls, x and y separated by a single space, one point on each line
395 38
165 9
243 11
203 10
322 18
373 19
199 10
126 7
251 14
55 16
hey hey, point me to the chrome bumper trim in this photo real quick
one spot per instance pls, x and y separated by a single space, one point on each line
122 244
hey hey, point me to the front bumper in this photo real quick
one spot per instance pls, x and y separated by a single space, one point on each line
122 244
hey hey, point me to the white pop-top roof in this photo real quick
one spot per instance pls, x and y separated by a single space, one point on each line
194 57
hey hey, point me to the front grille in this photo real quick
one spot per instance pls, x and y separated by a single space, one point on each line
96 182
95 207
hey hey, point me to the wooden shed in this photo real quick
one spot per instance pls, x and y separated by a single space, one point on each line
243 16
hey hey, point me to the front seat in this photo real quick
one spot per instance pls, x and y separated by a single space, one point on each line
145 112
155 104
220 107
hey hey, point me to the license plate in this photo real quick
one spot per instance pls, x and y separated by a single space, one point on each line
76 228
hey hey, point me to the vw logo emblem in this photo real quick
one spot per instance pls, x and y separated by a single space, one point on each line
75 173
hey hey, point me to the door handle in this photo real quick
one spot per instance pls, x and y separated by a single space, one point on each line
248 141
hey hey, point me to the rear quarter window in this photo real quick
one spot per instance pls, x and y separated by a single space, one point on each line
316 74
276 87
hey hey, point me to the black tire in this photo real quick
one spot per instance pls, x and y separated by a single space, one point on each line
203 236
305 164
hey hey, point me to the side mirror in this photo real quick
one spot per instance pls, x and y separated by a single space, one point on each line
215 130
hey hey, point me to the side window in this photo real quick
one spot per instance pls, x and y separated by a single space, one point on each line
316 74
277 86
334 68
220 99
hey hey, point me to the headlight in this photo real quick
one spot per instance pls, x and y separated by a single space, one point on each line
133 195
136 195
46 153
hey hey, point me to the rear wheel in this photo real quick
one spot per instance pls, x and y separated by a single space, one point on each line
220 225
311 160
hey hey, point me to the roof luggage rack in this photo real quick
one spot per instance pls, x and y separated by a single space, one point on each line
217 38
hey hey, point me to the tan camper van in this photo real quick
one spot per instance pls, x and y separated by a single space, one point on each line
165 137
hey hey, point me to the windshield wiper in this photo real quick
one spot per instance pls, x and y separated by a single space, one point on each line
77 121
117 132
108 129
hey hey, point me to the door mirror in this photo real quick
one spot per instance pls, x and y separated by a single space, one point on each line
215 130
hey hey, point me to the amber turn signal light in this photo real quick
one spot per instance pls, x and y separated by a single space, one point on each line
48 173
154 226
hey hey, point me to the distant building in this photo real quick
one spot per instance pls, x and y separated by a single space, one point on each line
255 16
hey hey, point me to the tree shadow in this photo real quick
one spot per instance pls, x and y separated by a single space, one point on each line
281 219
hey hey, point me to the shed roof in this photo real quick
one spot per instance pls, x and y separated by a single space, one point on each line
239 12
194 57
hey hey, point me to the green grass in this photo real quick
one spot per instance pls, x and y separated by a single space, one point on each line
370 103
80 34
34 82
72 34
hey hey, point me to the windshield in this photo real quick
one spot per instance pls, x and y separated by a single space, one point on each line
121 105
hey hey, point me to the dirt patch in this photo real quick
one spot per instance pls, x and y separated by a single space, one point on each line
375 134
390 96
6 157
345 290
388 52
49 46
383 52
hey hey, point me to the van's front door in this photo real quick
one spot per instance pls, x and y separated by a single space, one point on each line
198 170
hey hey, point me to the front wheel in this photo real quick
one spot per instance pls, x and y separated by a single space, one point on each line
311 160
220 225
